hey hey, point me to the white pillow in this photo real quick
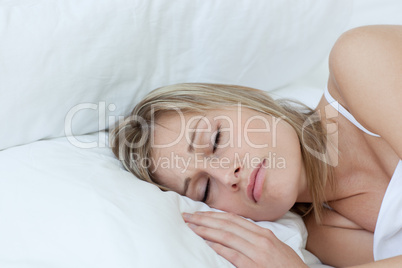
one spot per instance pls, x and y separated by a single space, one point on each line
79 64
62 206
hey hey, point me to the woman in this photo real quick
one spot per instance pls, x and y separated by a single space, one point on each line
238 150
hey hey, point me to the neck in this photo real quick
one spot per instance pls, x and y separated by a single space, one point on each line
304 195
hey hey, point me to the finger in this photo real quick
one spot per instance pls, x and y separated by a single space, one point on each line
224 224
231 217
229 222
232 234
225 238
236 258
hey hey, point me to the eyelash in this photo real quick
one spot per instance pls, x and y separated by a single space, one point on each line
206 193
217 139
216 143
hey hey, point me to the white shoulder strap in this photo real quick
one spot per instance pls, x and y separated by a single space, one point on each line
346 113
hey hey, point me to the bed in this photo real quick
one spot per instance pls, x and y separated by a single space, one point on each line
71 69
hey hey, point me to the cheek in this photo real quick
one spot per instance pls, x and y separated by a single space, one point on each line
282 192
167 175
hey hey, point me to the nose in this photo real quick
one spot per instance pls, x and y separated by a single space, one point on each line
229 177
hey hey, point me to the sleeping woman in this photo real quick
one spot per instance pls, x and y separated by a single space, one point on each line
238 150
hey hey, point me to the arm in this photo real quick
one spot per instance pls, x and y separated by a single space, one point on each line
338 242
366 71
344 247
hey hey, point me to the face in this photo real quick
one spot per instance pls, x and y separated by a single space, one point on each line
237 160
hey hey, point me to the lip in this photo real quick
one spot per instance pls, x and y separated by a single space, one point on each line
256 180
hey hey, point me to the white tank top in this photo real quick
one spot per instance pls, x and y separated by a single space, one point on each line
388 230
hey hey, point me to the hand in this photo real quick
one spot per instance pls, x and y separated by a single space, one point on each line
242 242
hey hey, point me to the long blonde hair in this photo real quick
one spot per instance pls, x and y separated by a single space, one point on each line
199 97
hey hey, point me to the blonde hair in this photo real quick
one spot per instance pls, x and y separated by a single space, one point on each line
197 98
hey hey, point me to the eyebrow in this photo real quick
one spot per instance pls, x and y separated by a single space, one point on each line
186 184
190 148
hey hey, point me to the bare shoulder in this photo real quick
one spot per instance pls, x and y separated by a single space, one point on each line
369 45
365 69
338 241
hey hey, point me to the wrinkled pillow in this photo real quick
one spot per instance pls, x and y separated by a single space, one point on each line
72 67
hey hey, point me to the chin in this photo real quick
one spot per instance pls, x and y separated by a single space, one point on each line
271 217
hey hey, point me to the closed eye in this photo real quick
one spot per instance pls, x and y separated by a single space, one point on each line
206 193
217 139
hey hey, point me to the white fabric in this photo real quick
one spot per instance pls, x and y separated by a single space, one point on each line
388 230
370 12
87 62
334 103
63 206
